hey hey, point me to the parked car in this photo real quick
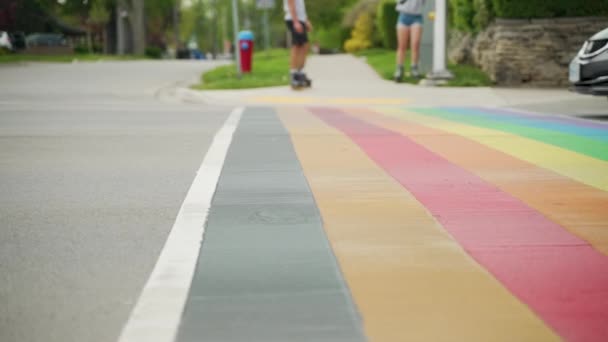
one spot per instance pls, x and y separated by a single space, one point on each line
589 69
46 39
5 41
18 40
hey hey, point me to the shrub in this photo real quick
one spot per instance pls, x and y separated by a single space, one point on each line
386 21
549 9
331 38
154 52
484 14
361 36
475 15
462 15
81 49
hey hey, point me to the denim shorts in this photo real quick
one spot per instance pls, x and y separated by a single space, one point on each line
406 19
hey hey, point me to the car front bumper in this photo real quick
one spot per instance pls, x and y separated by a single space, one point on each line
598 86
590 76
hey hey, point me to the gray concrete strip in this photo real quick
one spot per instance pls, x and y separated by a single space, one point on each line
266 271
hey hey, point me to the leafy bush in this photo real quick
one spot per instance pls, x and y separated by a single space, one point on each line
81 49
331 38
386 21
462 15
549 9
361 36
154 52
483 14
475 15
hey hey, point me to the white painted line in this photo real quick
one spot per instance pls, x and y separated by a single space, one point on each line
157 314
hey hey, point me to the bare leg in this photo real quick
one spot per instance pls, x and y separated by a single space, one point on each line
403 33
293 61
302 54
416 37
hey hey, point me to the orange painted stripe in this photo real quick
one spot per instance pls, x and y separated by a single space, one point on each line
579 208
532 256
410 280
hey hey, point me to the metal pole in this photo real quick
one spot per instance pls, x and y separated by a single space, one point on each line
120 29
235 25
440 70
176 8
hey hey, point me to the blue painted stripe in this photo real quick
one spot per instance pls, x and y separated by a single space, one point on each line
568 120
544 124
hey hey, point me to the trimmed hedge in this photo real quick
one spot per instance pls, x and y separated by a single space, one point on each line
514 9
386 23
483 14
471 15
475 15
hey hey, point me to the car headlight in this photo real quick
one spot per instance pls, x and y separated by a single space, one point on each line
592 48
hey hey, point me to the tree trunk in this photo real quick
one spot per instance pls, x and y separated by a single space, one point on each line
104 39
176 26
89 40
120 29
138 27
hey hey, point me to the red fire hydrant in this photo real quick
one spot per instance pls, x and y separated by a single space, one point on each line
246 50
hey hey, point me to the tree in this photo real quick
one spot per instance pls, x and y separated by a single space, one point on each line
138 26
98 18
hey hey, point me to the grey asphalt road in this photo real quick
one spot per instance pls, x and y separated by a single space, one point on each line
93 170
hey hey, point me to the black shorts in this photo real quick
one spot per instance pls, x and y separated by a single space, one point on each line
297 38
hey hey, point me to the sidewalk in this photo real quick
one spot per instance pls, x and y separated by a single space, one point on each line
345 80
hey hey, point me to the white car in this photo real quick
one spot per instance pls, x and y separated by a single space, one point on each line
589 69
5 41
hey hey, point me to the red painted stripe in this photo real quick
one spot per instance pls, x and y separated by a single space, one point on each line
561 277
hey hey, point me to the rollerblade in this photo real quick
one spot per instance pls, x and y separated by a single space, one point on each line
414 72
398 76
296 82
307 82
300 81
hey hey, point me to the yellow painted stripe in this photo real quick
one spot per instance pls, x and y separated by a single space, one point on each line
321 101
410 280
582 168
579 208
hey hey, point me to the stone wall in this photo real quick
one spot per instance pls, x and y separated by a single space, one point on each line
526 52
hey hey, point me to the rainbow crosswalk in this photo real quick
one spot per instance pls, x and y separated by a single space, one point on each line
446 224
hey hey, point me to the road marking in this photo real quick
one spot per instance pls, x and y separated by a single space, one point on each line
546 191
499 231
328 100
407 275
157 313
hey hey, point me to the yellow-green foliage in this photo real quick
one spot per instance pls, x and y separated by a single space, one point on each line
361 36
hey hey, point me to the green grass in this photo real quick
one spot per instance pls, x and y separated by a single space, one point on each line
16 58
270 68
383 61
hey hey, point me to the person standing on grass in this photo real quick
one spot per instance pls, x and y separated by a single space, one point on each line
409 31
298 24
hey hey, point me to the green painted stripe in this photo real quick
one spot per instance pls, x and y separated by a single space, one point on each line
589 147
